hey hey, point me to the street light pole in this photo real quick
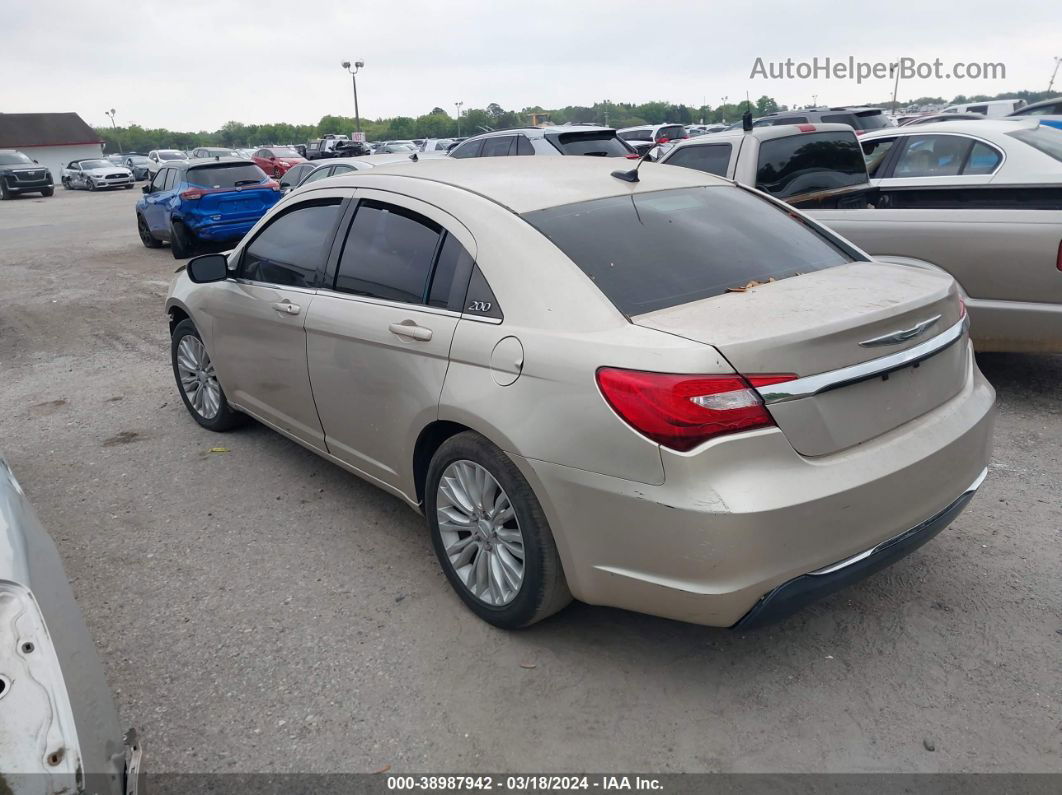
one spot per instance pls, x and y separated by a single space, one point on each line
354 79
459 106
114 127
1058 60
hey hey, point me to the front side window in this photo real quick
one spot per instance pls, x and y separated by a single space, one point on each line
875 152
710 158
294 246
654 250
171 178
388 253
320 173
159 180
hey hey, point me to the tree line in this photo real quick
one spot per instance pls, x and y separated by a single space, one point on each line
435 124
440 124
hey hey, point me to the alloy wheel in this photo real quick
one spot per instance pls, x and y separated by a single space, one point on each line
198 380
480 533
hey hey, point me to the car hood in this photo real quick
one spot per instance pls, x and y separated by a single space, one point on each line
99 172
23 168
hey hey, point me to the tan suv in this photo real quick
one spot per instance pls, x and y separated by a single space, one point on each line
674 395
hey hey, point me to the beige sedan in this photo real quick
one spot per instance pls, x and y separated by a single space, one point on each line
672 395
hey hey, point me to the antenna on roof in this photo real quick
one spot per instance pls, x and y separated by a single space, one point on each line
632 175
746 117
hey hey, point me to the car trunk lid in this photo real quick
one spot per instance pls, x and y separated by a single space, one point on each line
833 322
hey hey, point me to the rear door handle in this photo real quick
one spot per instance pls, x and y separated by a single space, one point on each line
410 330
287 308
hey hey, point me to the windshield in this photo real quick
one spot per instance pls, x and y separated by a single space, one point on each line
872 120
171 155
95 164
810 162
649 251
1047 139
597 143
13 159
224 176
284 151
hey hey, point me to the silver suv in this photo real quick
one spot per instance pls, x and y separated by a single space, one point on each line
561 140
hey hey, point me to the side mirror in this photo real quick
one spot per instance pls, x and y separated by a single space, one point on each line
146 188
208 268
36 162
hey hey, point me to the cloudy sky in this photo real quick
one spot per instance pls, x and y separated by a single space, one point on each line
192 65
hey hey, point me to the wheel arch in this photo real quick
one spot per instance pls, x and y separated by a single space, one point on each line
431 438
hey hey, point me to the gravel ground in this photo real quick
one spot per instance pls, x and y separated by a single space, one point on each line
262 610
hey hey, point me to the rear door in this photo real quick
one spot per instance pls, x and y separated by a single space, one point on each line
379 331
259 316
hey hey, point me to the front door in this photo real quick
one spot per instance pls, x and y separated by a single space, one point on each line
379 331
259 317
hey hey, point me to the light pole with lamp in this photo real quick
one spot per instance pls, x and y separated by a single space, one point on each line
459 105
354 79
110 113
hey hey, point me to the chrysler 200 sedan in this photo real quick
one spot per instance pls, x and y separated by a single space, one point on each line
675 395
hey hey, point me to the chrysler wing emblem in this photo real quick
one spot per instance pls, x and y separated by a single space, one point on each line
896 337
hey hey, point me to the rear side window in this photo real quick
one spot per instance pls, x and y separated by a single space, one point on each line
497 147
450 278
468 149
1047 140
594 143
932 156
294 246
388 253
713 158
809 162
225 176
983 159
649 251
523 146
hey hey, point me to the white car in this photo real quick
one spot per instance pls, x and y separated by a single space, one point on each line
436 144
993 108
1016 151
343 165
161 157
95 174
566 139
646 136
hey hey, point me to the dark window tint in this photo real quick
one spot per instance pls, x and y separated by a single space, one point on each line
783 120
875 152
636 135
523 146
982 109
159 180
653 250
171 178
388 253
1047 139
713 158
468 149
839 118
497 147
871 120
289 251
225 176
982 159
320 173
600 144
450 279
671 133
809 162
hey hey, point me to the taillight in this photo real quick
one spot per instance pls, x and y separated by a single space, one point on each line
962 308
662 140
632 156
806 127
192 193
1058 260
682 411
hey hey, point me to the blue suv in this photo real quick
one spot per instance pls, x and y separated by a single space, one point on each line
209 200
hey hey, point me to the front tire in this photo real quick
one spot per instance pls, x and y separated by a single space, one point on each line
5 192
92 186
198 383
47 192
491 536
148 239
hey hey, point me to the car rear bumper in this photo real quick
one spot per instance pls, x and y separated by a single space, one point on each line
220 230
746 514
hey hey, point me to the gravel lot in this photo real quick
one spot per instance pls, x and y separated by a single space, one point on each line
261 609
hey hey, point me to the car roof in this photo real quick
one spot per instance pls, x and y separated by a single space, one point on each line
1025 108
990 129
764 133
540 132
524 184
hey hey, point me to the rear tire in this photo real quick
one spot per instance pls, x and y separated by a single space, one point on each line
148 239
542 589
182 242
212 409
66 183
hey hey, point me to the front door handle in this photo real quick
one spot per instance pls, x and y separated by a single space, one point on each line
410 330
287 308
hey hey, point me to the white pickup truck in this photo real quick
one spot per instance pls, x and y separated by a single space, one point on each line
1006 258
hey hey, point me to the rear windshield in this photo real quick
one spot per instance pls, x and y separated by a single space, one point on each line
872 120
171 155
810 162
1047 139
600 144
226 176
650 251
636 135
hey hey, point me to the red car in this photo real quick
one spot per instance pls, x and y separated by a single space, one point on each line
275 160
